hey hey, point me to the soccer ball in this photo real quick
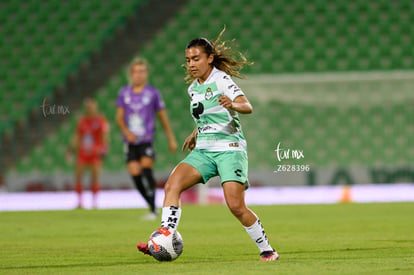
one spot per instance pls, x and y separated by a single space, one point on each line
165 245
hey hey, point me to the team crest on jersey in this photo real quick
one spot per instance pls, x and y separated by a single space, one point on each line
127 100
208 94
146 100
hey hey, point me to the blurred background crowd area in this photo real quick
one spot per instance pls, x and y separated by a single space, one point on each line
333 79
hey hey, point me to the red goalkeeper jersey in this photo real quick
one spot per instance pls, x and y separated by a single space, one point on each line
91 131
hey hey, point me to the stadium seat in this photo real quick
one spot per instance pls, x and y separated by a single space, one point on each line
27 32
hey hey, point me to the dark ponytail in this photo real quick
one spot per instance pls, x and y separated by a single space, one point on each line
225 57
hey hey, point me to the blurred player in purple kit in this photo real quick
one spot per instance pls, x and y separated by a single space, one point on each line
137 105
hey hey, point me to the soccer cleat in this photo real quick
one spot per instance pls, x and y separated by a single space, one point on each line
143 247
269 256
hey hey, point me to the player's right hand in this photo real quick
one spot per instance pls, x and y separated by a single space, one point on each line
190 143
69 155
131 138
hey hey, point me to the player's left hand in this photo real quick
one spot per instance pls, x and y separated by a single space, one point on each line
225 101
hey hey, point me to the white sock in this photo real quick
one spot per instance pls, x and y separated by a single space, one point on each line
258 235
170 217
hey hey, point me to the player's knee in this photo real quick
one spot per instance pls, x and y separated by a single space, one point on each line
237 208
172 186
134 168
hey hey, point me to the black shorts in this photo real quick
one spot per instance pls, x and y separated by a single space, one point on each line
137 151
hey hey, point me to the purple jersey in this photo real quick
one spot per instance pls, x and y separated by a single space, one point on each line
140 110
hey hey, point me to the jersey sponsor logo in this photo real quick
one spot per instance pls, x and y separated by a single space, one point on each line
234 87
198 109
234 144
205 128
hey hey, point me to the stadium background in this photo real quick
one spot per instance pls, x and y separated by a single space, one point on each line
333 79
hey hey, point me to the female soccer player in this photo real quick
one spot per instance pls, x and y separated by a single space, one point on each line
137 105
91 142
217 146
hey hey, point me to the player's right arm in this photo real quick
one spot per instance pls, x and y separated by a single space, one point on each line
76 139
121 124
190 141
74 143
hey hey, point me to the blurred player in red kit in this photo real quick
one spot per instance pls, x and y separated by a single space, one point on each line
91 143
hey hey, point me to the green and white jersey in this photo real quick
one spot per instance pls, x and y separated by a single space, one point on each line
219 129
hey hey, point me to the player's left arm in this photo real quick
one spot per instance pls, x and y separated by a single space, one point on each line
74 144
172 143
240 104
233 97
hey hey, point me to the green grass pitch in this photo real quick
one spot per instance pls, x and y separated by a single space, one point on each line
311 239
